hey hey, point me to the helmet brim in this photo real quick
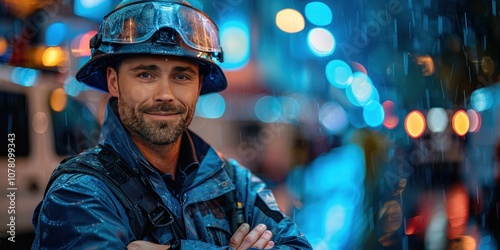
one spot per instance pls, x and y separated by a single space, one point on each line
93 73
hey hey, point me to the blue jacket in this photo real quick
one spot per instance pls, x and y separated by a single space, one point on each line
80 212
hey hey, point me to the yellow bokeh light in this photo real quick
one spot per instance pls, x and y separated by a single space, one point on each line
52 56
460 122
58 100
290 21
415 124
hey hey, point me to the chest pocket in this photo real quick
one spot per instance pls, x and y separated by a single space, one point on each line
208 221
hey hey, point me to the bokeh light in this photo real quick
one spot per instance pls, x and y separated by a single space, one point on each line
40 122
373 113
482 99
427 64
361 90
58 100
235 39
92 9
24 76
487 65
211 106
290 21
268 109
460 122
475 120
333 117
290 107
338 73
391 120
52 56
358 67
437 120
318 13
321 42
415 124
80 44
55 34
3 45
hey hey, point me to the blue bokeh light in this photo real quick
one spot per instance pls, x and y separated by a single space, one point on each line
482 99
374 114
335 187
268 109
55 34
211 106
290 108
24 76
338 73
361 90
318 13
92 9
235 39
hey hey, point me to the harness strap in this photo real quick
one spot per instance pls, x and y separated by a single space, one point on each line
143 207
235 210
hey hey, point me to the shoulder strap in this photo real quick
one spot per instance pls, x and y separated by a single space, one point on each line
144 210
236 212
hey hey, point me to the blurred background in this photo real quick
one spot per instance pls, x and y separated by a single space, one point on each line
374 122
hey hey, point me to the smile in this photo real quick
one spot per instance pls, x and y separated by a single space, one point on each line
162 115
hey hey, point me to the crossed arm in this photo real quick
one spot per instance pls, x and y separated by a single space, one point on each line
243 238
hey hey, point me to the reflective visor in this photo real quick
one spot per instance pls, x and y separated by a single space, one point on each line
136 23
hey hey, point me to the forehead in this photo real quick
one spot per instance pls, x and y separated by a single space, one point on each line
159 60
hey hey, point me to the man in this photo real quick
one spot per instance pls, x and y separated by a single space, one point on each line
155 58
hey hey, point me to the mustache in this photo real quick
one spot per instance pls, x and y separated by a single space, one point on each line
163 108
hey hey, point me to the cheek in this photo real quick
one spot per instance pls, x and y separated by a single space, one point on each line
138 93
190 99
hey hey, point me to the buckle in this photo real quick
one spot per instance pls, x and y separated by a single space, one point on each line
160 216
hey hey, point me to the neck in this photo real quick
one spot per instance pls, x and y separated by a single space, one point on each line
163 157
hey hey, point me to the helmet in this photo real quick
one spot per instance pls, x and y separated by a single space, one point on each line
160 27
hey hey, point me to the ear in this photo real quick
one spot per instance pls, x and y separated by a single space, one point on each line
112 77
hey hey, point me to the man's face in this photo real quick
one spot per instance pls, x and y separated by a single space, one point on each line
157 96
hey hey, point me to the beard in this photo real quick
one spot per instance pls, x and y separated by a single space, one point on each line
155 132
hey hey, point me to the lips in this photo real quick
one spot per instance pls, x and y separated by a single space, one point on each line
163 116
162 113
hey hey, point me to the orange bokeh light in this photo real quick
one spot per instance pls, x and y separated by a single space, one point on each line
460 122
415 124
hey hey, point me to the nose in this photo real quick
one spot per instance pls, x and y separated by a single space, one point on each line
163 92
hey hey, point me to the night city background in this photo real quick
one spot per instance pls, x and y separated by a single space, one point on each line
375 123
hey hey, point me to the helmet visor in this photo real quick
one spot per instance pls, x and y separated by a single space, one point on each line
136 23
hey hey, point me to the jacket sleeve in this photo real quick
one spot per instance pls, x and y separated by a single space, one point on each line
80 212
261 208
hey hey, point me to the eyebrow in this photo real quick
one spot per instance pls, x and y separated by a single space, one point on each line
146 67
153 67
187 69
